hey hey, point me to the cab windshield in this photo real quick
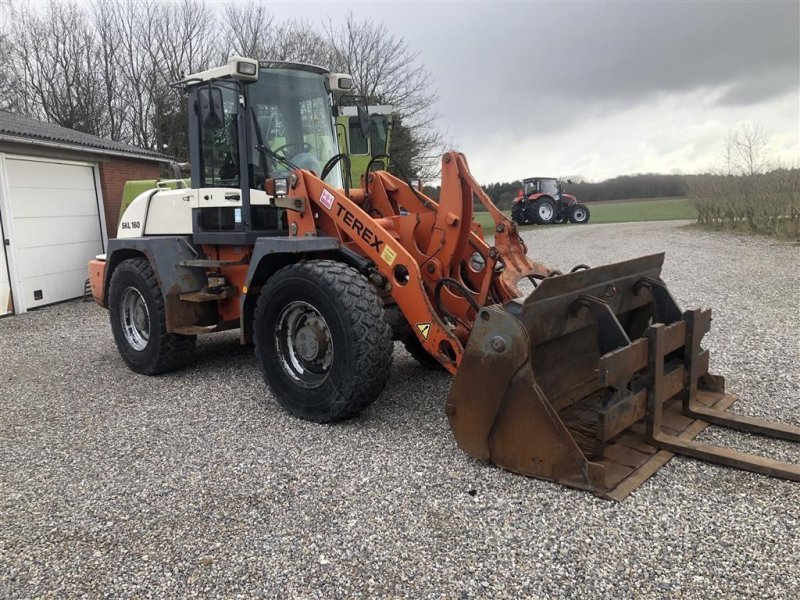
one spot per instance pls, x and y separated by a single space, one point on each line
549 186
292 112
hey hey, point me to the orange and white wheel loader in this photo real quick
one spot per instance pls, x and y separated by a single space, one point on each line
593 380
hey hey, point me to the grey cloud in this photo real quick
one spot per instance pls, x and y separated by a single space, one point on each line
760 86
548 64
511 73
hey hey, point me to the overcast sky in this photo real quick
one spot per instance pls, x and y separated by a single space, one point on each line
597 88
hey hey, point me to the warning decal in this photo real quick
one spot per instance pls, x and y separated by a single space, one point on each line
326 199
424 329
388 255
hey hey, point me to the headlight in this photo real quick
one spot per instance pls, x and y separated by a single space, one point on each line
246 68
243 68
339 83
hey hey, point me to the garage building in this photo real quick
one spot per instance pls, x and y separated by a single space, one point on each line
60 193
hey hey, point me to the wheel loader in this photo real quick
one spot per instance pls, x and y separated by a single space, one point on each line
593 380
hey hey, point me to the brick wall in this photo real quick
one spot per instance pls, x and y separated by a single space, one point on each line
114 173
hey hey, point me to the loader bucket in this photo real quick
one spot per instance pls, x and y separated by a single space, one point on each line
594 381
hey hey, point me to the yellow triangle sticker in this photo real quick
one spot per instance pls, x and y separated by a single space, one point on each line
424 329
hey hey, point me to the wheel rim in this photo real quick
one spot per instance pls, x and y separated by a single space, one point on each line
135 319
579 215
304 344
545 211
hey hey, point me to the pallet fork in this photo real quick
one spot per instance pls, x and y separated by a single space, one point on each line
606 380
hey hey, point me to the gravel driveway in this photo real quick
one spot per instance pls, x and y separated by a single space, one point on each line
197 484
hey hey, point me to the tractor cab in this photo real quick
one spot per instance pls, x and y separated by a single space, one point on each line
542 185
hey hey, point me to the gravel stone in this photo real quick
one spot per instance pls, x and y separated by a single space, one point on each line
197 484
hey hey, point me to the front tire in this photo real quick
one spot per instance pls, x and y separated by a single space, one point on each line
579 213
322 341
138 321
518 213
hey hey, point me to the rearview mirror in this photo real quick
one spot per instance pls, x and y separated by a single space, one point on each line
363 120
212 113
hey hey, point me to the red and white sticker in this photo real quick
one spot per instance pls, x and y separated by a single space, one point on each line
326 199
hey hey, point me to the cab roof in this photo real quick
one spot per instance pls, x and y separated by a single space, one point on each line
230 69
295 66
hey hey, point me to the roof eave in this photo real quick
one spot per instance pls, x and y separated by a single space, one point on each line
4 137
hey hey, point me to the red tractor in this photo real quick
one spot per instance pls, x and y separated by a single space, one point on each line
541 200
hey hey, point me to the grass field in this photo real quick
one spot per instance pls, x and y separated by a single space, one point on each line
623 211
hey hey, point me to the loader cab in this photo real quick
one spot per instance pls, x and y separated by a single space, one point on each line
247 128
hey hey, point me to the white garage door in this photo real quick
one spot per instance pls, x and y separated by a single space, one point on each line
56 228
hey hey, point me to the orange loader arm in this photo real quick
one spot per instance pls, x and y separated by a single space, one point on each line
434 260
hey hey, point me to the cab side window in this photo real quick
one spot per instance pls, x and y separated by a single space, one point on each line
377 135
357 141
220 147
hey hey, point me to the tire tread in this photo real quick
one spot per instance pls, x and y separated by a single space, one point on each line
174 351
364 315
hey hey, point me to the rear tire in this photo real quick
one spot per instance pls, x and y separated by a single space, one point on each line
138 321
544 211
322 341
579 214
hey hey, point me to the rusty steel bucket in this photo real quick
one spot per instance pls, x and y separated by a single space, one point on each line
595 381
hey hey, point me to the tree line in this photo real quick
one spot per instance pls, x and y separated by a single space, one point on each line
105 67
648 185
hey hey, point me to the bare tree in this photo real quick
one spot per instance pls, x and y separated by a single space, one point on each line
746 150
753 193
7 80
106 69
135 25
386 71
188 38
145 45
14 97
247 27
108 47
299 41
252 31
58 64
